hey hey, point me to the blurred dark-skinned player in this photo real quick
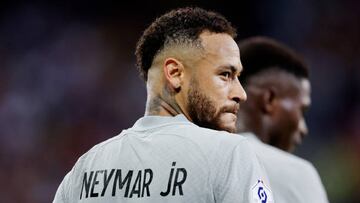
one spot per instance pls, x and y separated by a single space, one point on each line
276 81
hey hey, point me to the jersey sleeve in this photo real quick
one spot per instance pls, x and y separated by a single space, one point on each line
240 177
315 191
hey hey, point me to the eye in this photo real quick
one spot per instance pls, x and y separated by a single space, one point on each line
226 74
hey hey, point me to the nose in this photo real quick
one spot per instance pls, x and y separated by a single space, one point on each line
238 93
303 127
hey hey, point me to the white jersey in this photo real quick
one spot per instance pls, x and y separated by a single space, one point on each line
167 159
292 178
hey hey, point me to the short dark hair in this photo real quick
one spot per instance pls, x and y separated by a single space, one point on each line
261 53
178 25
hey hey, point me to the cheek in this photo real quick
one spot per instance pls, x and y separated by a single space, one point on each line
212 82
215 89
290 116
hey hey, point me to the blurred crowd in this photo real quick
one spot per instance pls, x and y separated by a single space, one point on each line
68 81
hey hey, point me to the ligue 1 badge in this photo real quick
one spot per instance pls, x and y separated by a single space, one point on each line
261 193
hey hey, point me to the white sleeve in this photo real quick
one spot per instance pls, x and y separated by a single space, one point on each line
241 178
314 191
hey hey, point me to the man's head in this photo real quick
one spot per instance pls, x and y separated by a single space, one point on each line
190 61
276 81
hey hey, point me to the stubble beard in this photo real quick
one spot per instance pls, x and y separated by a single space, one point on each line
202 110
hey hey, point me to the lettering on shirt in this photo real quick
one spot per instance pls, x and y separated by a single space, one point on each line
129 183
176 182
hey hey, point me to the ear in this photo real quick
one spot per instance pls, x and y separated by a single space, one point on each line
173 71
269 98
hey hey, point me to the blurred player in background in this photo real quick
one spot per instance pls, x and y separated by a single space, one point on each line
191 64
276 81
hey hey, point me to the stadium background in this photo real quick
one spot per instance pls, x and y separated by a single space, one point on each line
68 81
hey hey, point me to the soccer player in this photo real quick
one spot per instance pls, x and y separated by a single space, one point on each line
191 64
276 81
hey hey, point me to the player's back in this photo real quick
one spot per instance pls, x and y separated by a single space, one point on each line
292 178
166 159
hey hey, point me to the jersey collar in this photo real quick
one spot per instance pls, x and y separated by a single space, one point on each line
148 122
